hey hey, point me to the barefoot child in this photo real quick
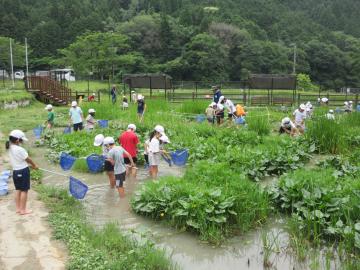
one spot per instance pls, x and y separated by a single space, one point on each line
108 167
116 157
19 159
154 150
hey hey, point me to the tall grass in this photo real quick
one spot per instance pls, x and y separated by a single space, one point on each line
194 107
259 123
327 134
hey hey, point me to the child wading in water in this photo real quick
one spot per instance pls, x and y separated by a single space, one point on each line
50 116
108 167
154 150
116 157
19 159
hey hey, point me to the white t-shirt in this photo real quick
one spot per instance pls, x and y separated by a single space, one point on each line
90 122
330 116
219 107
154 146
299 116
17 156
230 106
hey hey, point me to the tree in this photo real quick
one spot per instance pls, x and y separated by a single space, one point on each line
304 83
101 53
18 54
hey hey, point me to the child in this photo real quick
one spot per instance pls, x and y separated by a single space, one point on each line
154 150
90 120
91 97
134 96
19 160
125 104
50 116
108 167
300 116
129 141
116 157
146 153
76 116
210 113
287 126
330 115
240 112
219 113
141 107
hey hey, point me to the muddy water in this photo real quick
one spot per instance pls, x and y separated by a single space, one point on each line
103 205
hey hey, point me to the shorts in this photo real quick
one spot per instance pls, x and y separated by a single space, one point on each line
154 159
120 179
127 160
230 115
146 157
283 130
78 126
108 167
219 117
140 112
22 179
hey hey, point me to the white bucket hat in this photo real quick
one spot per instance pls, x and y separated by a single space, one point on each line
18 134
302 107
164 139
109 140
331 111
48 107
160 129
73 104
91 111
286 120
99 139
132 126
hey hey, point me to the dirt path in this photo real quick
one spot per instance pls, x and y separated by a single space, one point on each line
25 241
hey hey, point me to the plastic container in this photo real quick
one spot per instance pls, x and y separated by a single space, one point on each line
103 123
38 131
66 161
95 163
77 188
179 157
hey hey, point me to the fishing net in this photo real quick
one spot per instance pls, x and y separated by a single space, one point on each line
95 163
179 157
66 161
77 188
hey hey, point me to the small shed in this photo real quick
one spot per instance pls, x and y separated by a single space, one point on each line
148 80
272 81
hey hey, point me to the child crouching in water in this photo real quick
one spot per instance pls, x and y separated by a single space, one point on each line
19 159
116 158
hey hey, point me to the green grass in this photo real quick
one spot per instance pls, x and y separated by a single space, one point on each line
14 95
88 248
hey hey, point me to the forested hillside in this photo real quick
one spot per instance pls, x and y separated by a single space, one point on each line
190 40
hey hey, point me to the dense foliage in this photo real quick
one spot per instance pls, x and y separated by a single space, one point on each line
197 40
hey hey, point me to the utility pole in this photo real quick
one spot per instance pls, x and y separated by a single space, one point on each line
294 60
12 65
27 63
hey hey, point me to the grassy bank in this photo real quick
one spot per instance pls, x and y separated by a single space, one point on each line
107 248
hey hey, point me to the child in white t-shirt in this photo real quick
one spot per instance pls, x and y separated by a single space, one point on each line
19 159
300 116
154 150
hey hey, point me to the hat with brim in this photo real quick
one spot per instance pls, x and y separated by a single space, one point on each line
18 134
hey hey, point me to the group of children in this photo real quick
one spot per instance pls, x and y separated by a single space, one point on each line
139 100
121 160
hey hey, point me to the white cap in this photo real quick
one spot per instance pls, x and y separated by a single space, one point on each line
132 91
73 104
221 98
350 102
109 140
132 126
302 107
18 134
48 107
94 94
213 104
140 97
308 109
331 111
99 139
345 103
164 139
160 129
286 120
91 111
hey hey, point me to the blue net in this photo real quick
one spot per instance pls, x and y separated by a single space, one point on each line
168 160
103 123
77 188
67 130
95 163
38 131
240 121
200 118
179 157
66 161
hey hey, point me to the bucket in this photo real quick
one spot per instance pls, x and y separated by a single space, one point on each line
95 163
103 123
179 157
38 131
77 188
66 161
